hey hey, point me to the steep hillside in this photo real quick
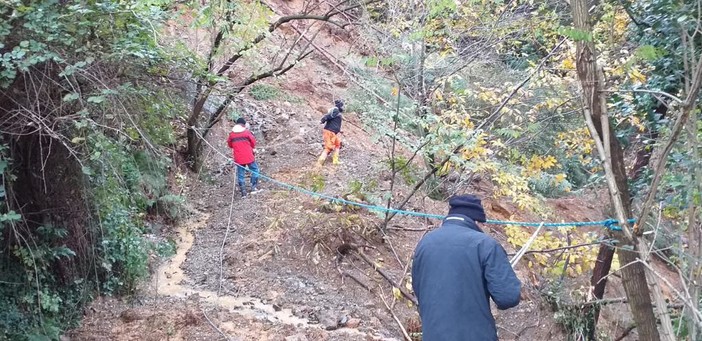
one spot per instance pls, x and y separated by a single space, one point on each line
265 267
269 266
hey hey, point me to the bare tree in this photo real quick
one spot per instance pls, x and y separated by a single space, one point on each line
213 78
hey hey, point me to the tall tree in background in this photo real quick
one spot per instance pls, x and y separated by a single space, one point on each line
595 107
636 270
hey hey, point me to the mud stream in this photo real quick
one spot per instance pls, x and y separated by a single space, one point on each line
170 276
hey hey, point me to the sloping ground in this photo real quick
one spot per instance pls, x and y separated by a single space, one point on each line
265 267
277 266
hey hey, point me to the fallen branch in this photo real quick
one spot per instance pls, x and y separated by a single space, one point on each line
562 248
538 322
345 249
225 336
404 275
606 301
402 327
353 277
386 276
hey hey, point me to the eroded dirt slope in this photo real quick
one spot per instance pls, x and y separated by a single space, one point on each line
265 267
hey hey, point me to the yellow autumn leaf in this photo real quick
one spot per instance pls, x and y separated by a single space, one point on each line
468 123
397 293
637 76
439 96
396 91
636 122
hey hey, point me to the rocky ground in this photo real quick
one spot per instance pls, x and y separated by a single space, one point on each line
266 267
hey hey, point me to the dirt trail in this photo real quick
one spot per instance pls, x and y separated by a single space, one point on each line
277 275
170 276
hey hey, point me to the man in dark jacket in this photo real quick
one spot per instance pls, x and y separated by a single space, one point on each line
332 129
457 269
242 143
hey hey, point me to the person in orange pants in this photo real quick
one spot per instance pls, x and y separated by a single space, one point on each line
332 129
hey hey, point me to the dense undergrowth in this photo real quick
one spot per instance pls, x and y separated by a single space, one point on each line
87 115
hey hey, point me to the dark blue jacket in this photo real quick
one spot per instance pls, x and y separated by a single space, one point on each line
332 120
456 270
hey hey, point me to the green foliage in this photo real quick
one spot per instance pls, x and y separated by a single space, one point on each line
234 114
173 206
572 317
406 170
57 32
99 56
165 248
264 92
126 184
364 191
355 187
549 185
314 182
575 34
318 183
31 289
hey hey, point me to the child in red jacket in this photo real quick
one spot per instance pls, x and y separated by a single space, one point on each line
242 143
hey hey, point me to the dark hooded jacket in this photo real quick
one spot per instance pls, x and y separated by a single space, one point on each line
456 270
332 120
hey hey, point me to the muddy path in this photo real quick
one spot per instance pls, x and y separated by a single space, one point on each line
170 277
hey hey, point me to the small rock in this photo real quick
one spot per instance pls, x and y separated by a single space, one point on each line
328 321
277 307
342 321
353 323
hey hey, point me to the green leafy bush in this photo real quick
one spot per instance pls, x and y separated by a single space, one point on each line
116 131
264 92
404 168
549 185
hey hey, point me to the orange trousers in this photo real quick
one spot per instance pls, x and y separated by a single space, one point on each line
331 140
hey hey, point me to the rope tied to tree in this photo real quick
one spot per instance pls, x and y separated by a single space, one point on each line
611 224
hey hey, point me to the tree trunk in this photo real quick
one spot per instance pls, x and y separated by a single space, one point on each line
643 155
194 152
633 275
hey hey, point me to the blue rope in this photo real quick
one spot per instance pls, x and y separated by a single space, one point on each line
608 223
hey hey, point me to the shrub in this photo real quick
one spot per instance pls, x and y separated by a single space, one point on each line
264 92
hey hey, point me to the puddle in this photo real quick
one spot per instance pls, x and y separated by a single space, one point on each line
170 276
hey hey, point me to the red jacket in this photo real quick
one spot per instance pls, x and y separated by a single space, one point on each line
242 143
